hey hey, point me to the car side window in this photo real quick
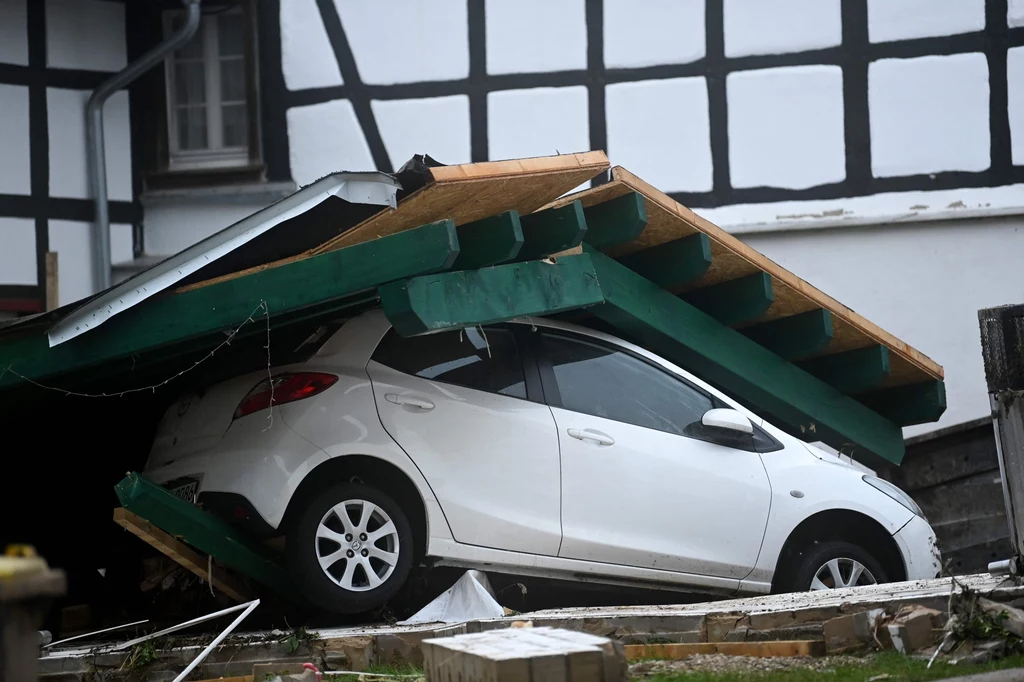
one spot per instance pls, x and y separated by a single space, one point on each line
483 359
598 380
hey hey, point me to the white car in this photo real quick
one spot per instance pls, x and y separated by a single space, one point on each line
534 448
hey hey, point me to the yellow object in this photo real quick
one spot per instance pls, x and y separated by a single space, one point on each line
19 561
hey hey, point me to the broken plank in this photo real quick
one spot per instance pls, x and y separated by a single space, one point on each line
202 530
453 300
552 230
908 405
796 336
240 302
722 356
615 222
181 553
673 264
488 241
736 301
469 192
675 652
854 371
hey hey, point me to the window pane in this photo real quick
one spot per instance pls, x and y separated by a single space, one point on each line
229 34
487 361
233 117
189 83
192 128
232 80
596 380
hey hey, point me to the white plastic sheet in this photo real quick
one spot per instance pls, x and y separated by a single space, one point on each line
470 598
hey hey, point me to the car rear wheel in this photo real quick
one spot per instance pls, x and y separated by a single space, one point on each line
834 565
350 549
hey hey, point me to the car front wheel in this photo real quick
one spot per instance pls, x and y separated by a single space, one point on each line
350 549
834 565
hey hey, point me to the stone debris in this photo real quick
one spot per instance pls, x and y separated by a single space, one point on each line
721 663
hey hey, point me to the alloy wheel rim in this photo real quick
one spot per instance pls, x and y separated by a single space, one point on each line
357 545
842 572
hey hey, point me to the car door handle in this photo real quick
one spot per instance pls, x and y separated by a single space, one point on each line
590 434
407 400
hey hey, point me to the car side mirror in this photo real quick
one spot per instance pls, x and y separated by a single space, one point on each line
727 419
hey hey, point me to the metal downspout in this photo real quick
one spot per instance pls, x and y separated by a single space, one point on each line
96 157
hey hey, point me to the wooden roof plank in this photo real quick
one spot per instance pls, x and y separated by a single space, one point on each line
668 220
473 191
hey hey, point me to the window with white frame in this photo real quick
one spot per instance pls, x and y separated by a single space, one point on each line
208 94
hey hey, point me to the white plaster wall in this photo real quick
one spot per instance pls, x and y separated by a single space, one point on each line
171 227
529 36
641 33
66 125
929 114
537 122
307 59
72 240
85 34
407 40
13 32
924 283
325 138
438 126
660 130
18 253
15 164
903 19
786 127
777 26
1015 13
1015 93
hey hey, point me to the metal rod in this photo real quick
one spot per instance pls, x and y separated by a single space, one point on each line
174 628
96 156
220 638
97 632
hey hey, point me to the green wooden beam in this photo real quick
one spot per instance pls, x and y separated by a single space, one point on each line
796 336
744 369
204 531
219 308
852 371
736 301
615 222
452 300
672 264
488 241
919 403
552 230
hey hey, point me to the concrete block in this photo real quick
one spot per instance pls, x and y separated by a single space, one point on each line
914 629
719 626
524 655
803 631
780 619
850 632
359 652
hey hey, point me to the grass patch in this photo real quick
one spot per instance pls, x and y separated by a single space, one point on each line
898 667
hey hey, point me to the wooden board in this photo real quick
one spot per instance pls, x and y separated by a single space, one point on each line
181 553
477 190
668 220
675 652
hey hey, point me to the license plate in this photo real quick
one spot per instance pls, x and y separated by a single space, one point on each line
186 491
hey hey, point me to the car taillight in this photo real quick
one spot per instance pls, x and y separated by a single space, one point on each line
284 388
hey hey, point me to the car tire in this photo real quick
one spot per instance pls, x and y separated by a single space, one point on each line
350 565
815 563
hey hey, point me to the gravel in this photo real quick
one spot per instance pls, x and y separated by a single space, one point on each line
720 663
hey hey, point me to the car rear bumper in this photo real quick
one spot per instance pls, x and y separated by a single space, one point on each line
920 551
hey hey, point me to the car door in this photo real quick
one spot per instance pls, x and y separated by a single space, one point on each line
638 488
458 403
